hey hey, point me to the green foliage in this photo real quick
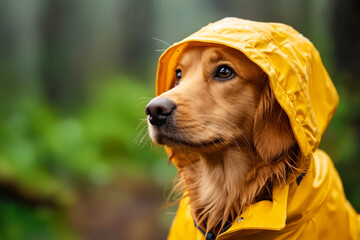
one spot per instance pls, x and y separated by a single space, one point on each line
23 222
45 156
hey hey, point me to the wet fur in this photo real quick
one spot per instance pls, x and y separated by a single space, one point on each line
257 149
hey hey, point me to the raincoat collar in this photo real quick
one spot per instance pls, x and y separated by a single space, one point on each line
266 215
254 216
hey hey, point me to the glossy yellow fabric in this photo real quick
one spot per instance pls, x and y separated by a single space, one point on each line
317 208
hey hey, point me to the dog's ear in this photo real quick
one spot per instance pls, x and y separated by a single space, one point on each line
273 135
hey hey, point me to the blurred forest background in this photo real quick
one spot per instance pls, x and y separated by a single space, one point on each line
75 76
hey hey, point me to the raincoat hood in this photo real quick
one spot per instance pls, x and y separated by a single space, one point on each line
296 74
306 93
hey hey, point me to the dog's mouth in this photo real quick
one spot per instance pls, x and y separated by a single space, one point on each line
173 142
176 137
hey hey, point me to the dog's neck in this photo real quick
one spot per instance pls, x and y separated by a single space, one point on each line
221 185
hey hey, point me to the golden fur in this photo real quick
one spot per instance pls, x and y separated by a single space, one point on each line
232 140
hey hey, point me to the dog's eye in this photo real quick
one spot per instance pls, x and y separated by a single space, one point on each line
178 75
224 72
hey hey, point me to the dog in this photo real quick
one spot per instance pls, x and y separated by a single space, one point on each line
233 137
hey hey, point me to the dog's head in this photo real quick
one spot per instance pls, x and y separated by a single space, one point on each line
220 99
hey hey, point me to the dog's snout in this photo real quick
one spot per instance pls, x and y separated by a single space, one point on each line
159 109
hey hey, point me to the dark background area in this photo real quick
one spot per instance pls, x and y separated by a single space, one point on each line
75 76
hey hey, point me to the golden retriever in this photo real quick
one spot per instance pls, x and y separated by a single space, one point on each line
217 119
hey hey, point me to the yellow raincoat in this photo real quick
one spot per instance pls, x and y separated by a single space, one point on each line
316 207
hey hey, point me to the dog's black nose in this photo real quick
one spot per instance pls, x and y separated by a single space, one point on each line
159 109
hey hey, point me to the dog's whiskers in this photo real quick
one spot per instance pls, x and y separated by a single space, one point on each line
142 120
145 142
162 41
141 134
142 102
